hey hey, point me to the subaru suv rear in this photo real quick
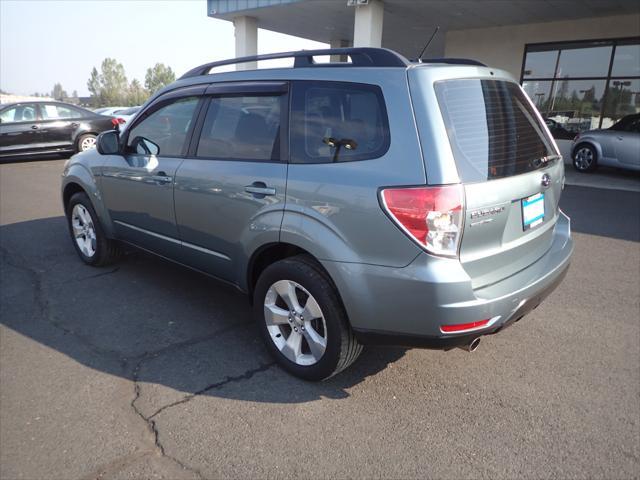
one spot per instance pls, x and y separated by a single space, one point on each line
383 201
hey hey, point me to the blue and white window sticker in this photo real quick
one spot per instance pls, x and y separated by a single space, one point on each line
532 210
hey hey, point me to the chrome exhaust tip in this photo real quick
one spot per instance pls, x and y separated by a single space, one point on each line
471 346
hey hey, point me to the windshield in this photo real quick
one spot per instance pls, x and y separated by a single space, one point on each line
493 129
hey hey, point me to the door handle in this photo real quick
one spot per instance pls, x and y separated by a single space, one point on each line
259 189
620 138
34 127
162 177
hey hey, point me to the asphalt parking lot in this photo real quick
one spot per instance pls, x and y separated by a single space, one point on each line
146 370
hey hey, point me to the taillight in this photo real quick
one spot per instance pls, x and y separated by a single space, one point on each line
118 121
431 216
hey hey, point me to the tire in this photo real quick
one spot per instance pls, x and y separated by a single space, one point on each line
88 237
585 158
326 318
86 142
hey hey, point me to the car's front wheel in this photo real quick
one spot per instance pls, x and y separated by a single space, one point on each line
302 320
91 243
585 158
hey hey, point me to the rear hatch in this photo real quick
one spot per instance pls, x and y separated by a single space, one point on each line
511 172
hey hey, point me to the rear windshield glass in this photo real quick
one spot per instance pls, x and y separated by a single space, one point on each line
493 130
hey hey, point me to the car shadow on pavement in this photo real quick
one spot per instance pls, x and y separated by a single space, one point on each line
176 332
600 219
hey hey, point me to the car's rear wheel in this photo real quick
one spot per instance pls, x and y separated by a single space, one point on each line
86 142
91 243
302 320
585 158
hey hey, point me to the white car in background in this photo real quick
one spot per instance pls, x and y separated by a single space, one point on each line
127 115
111 111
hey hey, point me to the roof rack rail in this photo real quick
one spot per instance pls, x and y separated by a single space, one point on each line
360 57
454 61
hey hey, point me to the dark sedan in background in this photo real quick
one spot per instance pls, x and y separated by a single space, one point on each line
48 127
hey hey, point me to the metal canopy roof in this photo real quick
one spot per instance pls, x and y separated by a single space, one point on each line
409 23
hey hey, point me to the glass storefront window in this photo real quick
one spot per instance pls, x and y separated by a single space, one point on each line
580 86
626 61
576 104
623 98
584 62
538 91
541 64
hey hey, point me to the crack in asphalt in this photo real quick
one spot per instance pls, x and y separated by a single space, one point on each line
151 423
238 378
44 311
42 304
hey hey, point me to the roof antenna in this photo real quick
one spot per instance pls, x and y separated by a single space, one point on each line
428 43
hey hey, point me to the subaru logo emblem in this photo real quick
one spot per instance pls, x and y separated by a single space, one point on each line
546 180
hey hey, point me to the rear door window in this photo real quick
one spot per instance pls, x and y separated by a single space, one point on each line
337 122
56 112
242 127
493 129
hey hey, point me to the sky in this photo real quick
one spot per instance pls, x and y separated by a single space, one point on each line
47 41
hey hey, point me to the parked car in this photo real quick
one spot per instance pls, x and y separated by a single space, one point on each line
616 146
381 202
558 131
48 127
112 111
126 116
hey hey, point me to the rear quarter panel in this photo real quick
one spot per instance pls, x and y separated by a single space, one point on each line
332 209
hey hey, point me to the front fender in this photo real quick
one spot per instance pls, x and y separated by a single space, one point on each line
590 141
80 172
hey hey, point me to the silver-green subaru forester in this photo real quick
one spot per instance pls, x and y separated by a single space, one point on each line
371 201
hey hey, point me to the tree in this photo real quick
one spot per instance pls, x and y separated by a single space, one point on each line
137 94
109 86
157 77
93 85
58 93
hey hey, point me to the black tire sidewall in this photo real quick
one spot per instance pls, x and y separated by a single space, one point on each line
83 199
314 281
593 165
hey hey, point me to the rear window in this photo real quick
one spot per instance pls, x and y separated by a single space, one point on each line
337 122
493 130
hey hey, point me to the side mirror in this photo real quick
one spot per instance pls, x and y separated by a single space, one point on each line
108 143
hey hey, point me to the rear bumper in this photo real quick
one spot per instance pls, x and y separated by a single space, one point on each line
407 306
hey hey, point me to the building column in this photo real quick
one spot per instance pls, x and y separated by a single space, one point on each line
339 44
367 30
246 32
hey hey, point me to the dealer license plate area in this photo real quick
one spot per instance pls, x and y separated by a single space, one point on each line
532 211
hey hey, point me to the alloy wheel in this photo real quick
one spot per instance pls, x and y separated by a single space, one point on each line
87 143
84 232
584 158
295 322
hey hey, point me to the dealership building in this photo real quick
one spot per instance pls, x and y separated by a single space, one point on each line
579 60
